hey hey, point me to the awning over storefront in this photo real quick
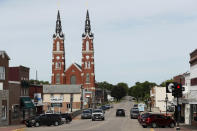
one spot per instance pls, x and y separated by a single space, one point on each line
26 102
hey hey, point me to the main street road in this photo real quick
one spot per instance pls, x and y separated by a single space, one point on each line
111 123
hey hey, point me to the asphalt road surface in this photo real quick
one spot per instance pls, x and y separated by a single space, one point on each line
111 123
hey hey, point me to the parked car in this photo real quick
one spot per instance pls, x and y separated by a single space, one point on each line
134 113
155 120
135 106
86 114
98 114
90 109
66 117
140 117
44 119
107 106
103 107
120 112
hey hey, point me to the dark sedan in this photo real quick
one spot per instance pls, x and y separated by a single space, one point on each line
134 113
120 112
86 114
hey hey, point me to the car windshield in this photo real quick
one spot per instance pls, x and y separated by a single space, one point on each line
97 111
86 111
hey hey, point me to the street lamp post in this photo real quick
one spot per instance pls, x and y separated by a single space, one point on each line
166 100
149 100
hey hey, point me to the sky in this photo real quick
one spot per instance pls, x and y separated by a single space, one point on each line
134 40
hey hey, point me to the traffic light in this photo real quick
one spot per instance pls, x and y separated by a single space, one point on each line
179 90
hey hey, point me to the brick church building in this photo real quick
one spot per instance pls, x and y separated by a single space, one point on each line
76 74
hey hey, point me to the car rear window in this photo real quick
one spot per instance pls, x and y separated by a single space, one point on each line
135 111
87 111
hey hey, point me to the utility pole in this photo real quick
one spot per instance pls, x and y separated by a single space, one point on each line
166 100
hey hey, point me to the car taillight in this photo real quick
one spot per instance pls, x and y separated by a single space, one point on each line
148 120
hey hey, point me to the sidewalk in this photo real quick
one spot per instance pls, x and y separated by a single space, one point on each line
188 127
13 128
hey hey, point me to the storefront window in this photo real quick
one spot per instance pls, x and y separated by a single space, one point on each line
4 113
15 112
68 106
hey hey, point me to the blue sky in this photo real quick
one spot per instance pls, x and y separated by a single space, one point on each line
135 40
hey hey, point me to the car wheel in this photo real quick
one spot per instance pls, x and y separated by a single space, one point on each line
28 126
172 125
56 123
93 119
144 126
103 119
37 124
154 125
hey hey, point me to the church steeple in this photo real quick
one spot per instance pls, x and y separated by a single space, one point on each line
58 29
87 23
87 26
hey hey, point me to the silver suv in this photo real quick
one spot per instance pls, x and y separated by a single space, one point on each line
98 114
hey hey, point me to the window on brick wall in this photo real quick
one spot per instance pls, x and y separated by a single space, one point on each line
2 73
68 106
58 79
73 79
87 78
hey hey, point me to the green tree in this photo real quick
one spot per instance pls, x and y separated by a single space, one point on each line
105 85
141 90
163 84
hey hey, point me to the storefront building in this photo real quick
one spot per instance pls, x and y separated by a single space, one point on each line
4 93
62 98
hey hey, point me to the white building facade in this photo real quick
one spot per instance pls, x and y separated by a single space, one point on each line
158 95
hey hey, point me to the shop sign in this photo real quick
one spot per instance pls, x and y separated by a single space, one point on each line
56 100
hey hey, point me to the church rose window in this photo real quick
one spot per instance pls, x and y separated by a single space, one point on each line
73 79
87 78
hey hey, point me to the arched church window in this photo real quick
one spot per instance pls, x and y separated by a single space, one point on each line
88 64
73 79
87 46
58 46
58 65
87 78
57 79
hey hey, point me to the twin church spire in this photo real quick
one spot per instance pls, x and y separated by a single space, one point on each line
58 29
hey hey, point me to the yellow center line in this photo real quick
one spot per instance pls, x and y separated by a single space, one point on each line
151 129
21 129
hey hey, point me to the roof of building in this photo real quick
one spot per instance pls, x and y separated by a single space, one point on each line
3 54
67 89
76 65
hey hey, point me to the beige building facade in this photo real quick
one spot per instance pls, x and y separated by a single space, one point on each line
62 98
